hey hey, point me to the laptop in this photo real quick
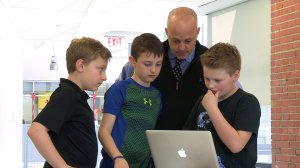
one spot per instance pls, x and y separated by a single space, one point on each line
182 149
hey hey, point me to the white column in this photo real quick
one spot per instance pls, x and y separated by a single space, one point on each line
11 86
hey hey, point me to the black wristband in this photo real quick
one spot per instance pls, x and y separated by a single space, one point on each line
118 157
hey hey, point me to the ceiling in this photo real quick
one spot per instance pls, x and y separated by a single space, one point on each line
46 27
62 20
42 20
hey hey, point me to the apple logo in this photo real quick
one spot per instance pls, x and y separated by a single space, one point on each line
182 153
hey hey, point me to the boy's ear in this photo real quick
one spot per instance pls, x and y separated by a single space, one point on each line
132 61
79 65
236 75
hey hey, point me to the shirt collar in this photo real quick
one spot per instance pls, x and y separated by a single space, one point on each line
69 83
189 58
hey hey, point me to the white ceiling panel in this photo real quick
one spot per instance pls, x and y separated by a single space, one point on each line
62 20
80 5
46 4
25 18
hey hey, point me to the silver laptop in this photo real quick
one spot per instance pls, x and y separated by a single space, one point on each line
182 149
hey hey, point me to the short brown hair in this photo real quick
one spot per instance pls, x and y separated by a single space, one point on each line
146 42
87 49
222 55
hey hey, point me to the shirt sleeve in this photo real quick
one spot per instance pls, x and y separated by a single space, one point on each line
114 98
248 114
57 110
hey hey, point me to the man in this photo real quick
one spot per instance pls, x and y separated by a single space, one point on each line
180 92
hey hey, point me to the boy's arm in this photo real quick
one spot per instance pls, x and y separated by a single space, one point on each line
42 141
233 139
104 135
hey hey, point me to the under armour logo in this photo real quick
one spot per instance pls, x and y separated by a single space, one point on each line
149 101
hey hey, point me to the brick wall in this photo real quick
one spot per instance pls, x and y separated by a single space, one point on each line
285 83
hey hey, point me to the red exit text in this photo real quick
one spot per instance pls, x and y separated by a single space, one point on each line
114 41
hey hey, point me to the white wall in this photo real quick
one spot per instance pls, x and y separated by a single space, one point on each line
247 25
11 94
37 58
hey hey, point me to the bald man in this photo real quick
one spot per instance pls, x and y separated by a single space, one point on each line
180 92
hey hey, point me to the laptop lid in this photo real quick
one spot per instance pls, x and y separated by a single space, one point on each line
182 149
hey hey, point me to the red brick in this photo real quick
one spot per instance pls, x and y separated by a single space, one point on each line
295 159
279 144
284 158
295 145
293 130
279 130
276 110
288 151
285 83
275 151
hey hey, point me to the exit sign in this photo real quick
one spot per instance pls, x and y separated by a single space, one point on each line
114 41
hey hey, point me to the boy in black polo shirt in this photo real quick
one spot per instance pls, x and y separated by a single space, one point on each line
64 131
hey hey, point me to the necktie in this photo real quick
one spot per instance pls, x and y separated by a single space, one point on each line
177 70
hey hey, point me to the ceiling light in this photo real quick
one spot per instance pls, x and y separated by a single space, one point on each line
53 64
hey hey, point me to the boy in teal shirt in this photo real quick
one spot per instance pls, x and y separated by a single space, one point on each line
131 107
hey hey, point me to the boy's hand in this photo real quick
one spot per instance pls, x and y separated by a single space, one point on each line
121 163
210 101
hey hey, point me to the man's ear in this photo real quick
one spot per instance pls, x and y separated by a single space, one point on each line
79 65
